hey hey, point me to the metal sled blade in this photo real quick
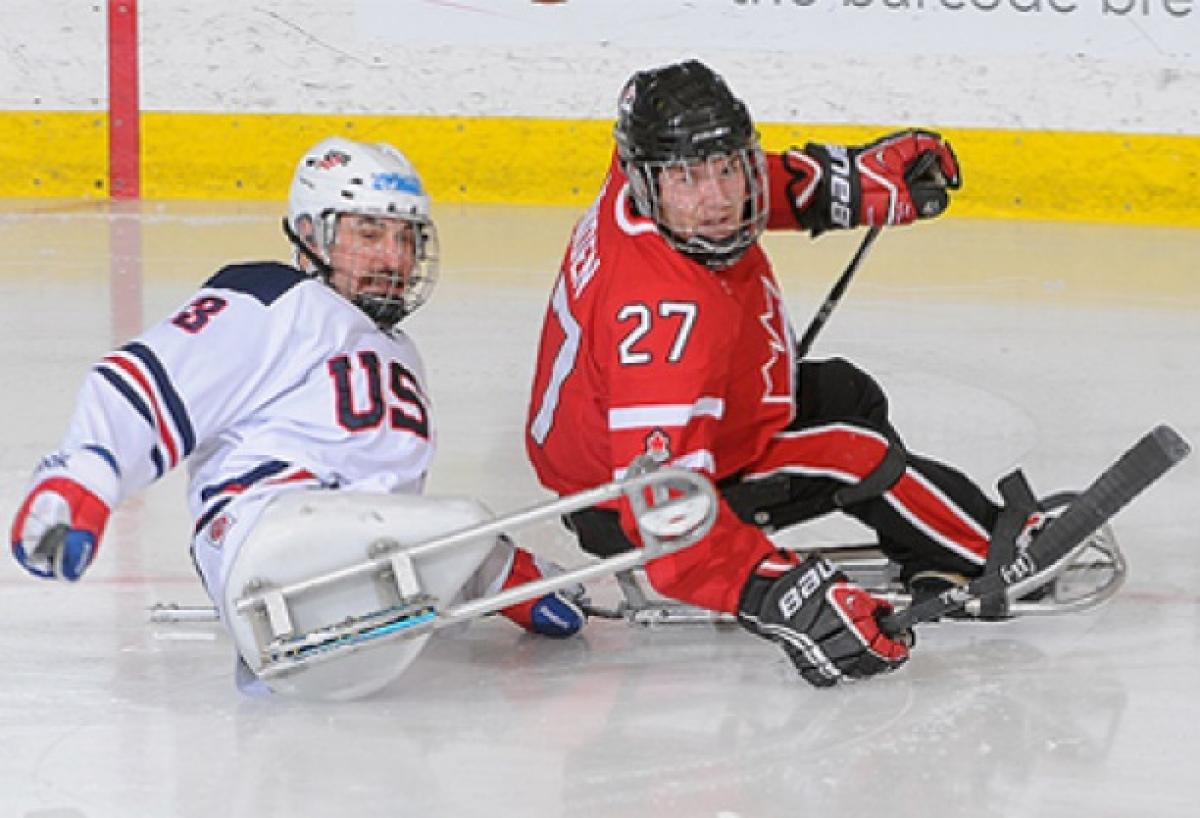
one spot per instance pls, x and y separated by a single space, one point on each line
865 565
287 655
1089 576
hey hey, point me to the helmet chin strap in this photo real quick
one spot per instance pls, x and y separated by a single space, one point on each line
319 264
385 316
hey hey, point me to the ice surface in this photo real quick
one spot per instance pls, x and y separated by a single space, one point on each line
1053 346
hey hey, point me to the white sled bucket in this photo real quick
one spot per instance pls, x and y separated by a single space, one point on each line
335 594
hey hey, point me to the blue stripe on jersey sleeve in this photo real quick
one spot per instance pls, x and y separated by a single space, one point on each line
135 400
265 281
157 460
174 403
106 455
139 406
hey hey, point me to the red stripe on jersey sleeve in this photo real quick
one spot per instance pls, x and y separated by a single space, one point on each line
160 422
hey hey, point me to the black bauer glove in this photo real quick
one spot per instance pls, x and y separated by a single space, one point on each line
826 625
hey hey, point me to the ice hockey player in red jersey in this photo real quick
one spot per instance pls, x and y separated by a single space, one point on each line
272 378
666 334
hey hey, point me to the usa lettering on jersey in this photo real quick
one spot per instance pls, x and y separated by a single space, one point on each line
266 379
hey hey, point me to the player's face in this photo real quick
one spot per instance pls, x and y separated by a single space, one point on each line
703 198
371 255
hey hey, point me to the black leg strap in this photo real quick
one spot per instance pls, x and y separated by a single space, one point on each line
883 477
599 531
1019 503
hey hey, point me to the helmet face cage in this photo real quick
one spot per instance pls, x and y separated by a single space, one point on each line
682 119
719 251
340 177
389 294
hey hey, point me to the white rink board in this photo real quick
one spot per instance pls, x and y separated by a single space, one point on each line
1079 70
1128 29
1086 65
53 56
1084 69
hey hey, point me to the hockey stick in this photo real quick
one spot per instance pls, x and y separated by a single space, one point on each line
1145 462
835 294
924 169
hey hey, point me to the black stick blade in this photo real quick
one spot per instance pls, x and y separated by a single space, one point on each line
1132 473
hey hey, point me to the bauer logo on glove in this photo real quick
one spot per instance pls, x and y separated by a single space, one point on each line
827 626
807 584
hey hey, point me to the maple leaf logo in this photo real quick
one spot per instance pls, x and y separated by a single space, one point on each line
777 370
658 446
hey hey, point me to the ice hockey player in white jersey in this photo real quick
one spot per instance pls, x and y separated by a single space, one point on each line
272 378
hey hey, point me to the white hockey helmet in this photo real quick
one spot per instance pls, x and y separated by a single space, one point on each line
339 175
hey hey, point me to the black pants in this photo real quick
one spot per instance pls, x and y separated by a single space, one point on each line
832 392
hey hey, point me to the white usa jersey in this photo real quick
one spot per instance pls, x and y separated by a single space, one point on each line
266 378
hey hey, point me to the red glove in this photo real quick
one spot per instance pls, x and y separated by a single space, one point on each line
58 527
905 177
895 180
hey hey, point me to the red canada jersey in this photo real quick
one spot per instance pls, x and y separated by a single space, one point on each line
646 351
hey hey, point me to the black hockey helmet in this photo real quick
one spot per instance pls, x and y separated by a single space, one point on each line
680 114
680 111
